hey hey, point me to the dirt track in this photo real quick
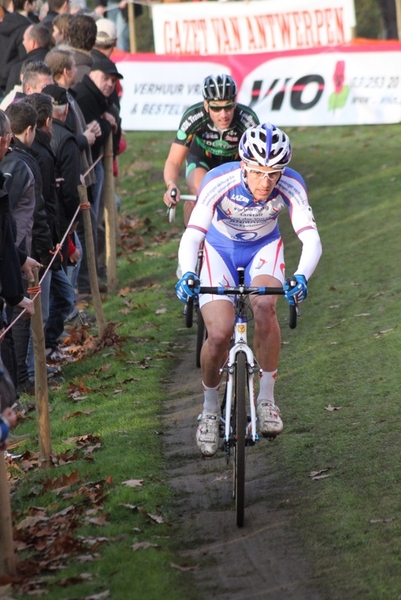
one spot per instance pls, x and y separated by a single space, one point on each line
264 559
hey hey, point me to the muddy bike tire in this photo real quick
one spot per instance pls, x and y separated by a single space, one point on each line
240 429
201 336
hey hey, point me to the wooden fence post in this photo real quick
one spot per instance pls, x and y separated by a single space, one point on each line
41 389
131 25
110 216
7 555
90 257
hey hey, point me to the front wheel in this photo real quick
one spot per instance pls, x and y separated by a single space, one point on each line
240 430
201 336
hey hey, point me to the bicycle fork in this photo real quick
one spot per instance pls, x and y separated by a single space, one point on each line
240 345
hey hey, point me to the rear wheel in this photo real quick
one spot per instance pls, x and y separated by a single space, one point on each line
240 429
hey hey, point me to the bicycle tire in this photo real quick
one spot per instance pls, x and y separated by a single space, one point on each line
201 336
189 313
240 429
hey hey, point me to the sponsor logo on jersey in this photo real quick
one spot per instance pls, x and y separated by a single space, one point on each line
224 282
191 119
246 236
261 263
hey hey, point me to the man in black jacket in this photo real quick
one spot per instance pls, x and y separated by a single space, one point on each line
12 260
36 41
93 96
21 167
67 168
11 34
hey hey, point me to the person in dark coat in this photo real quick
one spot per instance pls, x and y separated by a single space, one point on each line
67 169
12 30
36 41
93 96
56 8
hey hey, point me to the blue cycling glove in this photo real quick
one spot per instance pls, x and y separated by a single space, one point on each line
187 287
294 294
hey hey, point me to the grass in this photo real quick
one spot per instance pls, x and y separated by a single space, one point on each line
344 353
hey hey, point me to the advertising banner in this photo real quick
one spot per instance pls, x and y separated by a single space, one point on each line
256 26
346 85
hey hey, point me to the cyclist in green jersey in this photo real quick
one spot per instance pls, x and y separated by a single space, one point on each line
208 136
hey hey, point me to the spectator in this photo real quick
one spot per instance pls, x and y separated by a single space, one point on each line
106 39
56 7
76 6
55 290
67 164
93 96
8 417
12 30
63 68
81 38
61 26
36 76
22 177
118 13
36 41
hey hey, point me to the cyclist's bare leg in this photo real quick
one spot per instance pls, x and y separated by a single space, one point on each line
219 319
267 336
194 180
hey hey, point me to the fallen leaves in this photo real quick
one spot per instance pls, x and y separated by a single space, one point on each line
322 474
143 546
185 568
133 482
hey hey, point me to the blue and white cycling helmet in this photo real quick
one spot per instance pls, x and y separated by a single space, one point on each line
265 146
219 87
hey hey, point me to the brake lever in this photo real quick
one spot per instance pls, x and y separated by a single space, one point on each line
171 209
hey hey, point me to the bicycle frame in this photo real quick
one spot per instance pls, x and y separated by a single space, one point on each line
240 345
240 368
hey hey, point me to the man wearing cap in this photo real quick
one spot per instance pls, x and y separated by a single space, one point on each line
67 165
93 95
106 39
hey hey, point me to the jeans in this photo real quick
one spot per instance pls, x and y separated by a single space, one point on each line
62 298
115 15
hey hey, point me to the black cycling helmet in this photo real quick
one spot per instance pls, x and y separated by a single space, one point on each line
265 146
219 87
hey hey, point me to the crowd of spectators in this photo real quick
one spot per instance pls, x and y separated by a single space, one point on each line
59 93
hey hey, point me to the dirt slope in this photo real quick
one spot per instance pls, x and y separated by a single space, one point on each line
262 560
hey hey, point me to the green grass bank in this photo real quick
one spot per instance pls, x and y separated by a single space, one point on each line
344 355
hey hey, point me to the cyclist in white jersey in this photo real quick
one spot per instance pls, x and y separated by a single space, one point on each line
237 215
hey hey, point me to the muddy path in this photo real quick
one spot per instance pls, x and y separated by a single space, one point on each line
262 560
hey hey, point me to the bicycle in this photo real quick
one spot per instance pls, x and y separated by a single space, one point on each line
191 304
240 367
170 213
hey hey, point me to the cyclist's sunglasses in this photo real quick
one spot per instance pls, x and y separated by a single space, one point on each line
260 175
216 109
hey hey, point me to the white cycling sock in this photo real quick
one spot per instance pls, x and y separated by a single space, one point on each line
211 399
266 387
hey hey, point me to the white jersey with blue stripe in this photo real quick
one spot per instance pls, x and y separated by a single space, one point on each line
227 214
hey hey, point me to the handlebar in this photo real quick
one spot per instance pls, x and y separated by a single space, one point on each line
242 290
256 291
171 209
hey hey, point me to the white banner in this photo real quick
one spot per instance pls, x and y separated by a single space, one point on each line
343 86
204 28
